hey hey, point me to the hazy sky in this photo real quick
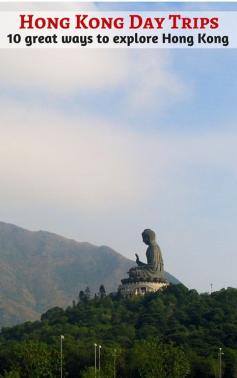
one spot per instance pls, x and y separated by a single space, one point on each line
98 145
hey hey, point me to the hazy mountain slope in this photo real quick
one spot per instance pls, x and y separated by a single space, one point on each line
39 270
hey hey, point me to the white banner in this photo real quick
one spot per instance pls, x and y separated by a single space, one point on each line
62 29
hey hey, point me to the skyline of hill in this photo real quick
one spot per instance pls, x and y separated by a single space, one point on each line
40 270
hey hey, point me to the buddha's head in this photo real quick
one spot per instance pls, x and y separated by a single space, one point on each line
148 236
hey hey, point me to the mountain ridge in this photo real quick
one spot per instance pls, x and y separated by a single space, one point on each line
40 270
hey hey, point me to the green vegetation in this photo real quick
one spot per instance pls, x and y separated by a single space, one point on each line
175 333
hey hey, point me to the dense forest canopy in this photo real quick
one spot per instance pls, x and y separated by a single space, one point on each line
174 333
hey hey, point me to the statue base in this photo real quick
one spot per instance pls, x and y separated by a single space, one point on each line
131 288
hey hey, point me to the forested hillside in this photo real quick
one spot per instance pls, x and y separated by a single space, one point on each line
174 333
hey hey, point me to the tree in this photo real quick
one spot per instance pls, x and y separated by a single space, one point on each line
102 292
11 374
154 359
81 296
87 293
88 373
36 360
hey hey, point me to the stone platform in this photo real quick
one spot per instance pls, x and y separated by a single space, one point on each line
140 288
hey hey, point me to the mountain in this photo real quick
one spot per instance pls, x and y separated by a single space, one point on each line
40 270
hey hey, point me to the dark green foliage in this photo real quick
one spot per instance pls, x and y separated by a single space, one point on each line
153 359
87 293
31 359
102 292
175 333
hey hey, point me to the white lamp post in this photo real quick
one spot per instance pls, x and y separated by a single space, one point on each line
61 355
220 362
99 358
